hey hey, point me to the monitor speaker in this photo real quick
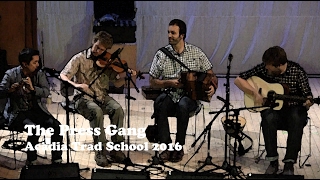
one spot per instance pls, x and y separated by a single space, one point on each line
194 175
51 171
118 174
274 176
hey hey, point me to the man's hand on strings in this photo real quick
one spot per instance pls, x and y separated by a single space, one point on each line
308 103
175 83
258 99
211 91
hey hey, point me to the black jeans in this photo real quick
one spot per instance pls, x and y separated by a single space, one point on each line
292 119
164 107
38 117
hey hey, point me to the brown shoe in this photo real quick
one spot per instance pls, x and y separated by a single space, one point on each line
177 155
165 156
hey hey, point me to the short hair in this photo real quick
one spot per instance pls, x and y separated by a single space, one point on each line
275 56
25 55
182 26
105 38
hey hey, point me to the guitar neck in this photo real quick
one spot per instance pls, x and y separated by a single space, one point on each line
288 97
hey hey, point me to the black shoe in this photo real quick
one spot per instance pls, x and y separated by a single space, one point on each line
165 156
273 167
177 155
288 169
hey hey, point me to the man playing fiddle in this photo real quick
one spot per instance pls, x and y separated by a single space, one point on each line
92 75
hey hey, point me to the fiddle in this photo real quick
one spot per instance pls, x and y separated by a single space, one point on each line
118 66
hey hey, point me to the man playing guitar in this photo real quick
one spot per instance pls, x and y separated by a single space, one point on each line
276 68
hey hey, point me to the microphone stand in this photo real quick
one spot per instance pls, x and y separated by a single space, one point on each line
204 132
42 49
128 78
225 164
233 170
67 85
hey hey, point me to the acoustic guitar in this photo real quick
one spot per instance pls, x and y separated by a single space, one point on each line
273 93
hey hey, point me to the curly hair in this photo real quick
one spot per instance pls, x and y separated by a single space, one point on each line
105 38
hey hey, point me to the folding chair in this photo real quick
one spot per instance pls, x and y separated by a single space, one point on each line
195 115
192 114
258 157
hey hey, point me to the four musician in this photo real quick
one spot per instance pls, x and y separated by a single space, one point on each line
25 85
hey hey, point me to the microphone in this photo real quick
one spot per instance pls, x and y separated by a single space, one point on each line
272 97
221 99
130 97
50 71
230 57
116 53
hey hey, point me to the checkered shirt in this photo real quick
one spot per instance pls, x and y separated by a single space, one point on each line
295 78
163 67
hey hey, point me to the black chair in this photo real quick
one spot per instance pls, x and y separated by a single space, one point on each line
14 142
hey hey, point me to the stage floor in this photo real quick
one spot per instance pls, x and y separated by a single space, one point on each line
221 146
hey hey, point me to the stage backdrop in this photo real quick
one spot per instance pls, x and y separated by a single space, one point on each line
241 28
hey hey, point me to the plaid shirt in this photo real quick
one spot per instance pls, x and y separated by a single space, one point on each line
165 68
295 78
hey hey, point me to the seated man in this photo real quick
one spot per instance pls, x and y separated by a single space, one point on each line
276 68
24 86
93 75
165 73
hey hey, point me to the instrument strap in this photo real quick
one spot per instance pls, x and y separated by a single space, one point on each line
171 56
